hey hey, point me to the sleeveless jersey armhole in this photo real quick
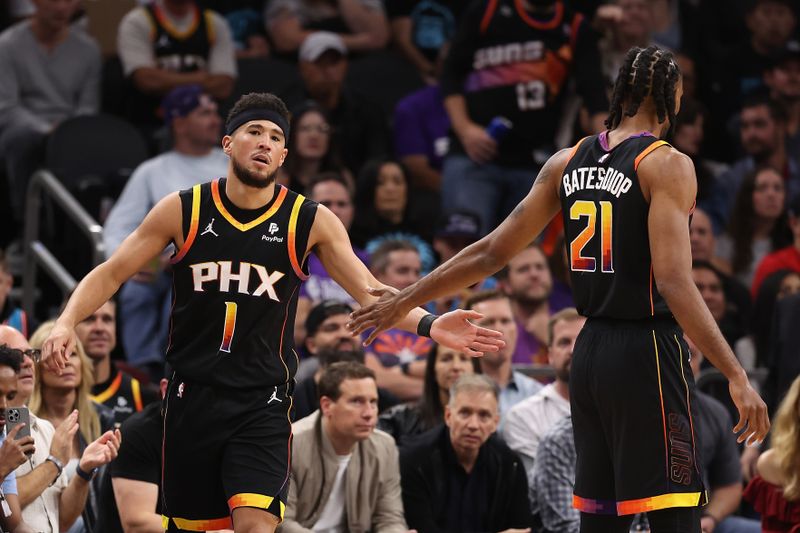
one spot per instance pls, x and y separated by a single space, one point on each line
189 220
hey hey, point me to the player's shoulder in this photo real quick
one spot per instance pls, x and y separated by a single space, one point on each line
667 168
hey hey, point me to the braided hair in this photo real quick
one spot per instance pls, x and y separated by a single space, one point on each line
646 72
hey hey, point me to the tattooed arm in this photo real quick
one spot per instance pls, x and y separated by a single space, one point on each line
481 259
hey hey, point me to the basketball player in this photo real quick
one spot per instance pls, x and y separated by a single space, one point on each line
241 246
626 198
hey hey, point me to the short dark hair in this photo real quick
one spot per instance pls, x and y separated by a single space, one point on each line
322 177
10 357
379 258
259 101
702 264
502 274
329 356
483 296
330 382
776 111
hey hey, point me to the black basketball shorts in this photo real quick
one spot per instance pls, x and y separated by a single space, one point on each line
634 416
223 448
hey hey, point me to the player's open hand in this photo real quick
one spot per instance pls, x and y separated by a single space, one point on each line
753 423
58 348
455 331
381 315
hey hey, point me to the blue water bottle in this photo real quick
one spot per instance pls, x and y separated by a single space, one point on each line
498 128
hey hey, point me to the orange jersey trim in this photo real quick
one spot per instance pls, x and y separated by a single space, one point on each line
661 397
249 499
487 15
198 525
646 152
652 306
209 18
655 503
110 391
253 223
688 404
292 238
137 394
533 23
574 151
192 226
171 29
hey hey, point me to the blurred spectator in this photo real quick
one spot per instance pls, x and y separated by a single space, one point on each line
13 452
775 492
731 321
311 150
513 386
50 502
719 460
759 226
345 474
324 329
117 390
245 19
196 156
333 191
528 421
360 24
703 242
784 354
421 126
358 123
632 27
461 477
443 367
776 285
763 136
785 258
421 29
528 283
512 59
454 231
10 314
169 43
384 204
552 480
688 138
398 356
676 25
51 72
305 399
55 397
783 80
131 495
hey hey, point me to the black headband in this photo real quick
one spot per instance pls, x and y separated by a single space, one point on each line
257 114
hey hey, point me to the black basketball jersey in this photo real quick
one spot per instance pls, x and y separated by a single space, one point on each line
181 52
605 229
235 285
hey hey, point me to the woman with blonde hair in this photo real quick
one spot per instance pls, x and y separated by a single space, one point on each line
56 396
775 491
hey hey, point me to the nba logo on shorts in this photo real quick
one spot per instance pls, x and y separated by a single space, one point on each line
273 227
180 390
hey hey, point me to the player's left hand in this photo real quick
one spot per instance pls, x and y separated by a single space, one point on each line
455 331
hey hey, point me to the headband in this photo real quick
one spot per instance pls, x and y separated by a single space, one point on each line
257 114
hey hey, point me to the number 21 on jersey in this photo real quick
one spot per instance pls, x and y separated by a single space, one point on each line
586 209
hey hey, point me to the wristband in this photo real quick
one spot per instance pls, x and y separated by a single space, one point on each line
425 324
86 476
58 464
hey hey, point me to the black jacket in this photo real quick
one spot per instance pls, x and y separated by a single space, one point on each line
425 472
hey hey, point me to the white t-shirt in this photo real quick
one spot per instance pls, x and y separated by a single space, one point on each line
331 520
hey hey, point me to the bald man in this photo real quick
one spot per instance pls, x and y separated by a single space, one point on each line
62 500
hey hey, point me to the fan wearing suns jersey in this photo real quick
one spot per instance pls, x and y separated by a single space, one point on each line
626 198
241 247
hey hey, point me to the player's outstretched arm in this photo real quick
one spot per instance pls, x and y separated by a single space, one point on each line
478 260
331 243
160 227
668 176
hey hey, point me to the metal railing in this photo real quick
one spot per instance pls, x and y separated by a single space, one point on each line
45 184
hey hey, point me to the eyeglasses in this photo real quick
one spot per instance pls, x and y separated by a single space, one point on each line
35 355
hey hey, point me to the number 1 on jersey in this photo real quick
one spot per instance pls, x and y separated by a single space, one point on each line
230 327
588 209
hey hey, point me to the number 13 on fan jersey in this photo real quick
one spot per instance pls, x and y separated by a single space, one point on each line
588 210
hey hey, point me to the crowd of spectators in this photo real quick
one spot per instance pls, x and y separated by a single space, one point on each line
420 124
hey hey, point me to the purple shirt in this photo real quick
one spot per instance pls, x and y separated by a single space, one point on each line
320 286
421 126
528 346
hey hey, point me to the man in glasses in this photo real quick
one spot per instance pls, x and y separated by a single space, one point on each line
48 500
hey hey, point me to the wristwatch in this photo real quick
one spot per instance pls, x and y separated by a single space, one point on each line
59 466
87 476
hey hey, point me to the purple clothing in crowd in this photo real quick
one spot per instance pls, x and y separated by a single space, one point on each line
320 286
421 126
529 346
